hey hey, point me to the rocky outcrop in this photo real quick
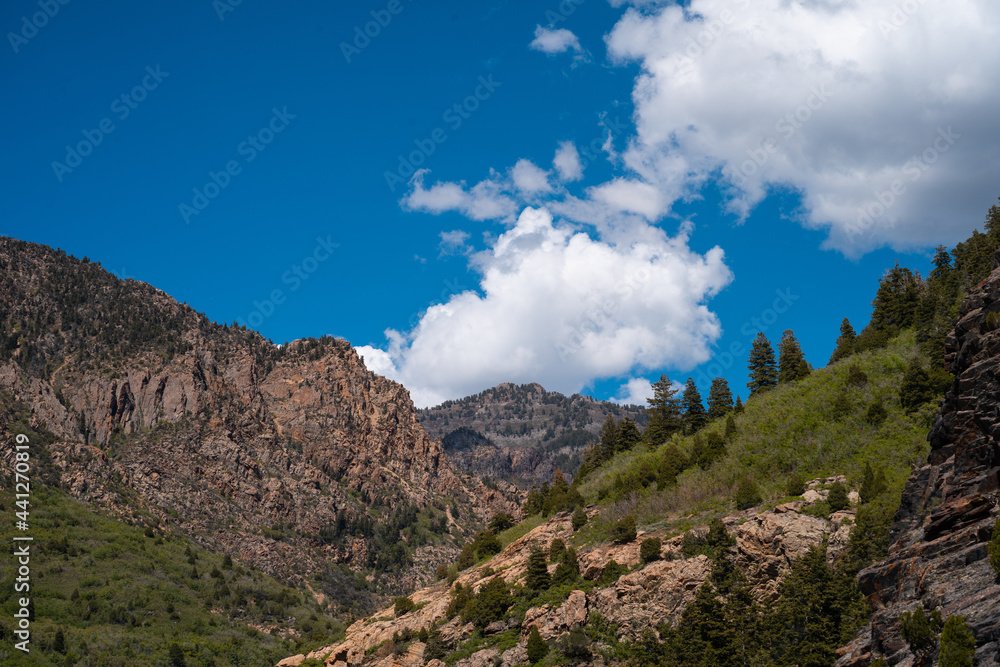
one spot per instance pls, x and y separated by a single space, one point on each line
938 557
250 447
766 544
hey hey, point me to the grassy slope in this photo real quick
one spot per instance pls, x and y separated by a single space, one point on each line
788 430
136 596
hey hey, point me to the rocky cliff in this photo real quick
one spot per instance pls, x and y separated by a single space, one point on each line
646 594
521 433
272 453
938 556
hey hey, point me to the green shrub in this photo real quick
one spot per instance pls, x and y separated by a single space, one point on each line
876 414
958 645
467 557
579 518
501 522
624 530
460 598
837 498
650 549
994 547
402 606
489 604
568 570
486 544
796 485
747 494
856 376
441 572
920 630
611 572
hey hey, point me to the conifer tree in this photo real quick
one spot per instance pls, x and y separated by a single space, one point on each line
664 412
629 434
537 648
761 366
958 645
895 300
720 399
792 363
738 406
609 439
916 387
845 342
694 412
730 429
537 577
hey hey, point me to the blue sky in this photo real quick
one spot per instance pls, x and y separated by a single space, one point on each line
258 161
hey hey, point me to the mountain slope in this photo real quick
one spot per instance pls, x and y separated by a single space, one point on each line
521 433
938 557
291 458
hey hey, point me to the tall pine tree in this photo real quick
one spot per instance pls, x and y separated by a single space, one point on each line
720 399
792 363
694 412
845 341
761 366
664 410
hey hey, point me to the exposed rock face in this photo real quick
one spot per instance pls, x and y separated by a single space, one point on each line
643 597
938 553
213 428
521 433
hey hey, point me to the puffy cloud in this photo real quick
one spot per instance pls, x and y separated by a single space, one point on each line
559 307
881 114
485 201
555 41
567 162
634 392
453 242
529 178
631 196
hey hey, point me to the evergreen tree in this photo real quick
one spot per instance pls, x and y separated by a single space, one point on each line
537 577
176 656
59 643
579 518
895 300
608 439
695 416
533 503
761 366
845 342
720 399
872 485
624 530
664 412
837 498
703 636
792 363
747 494
916 387
672 463
730 429
958 645
738 406
629 435
537 648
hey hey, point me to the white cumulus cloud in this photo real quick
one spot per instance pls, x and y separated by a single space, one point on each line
881 114
529 178
567 162
555 41
561 308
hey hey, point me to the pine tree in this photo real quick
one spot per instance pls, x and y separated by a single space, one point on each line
537 577
916 387
59 643
608 439
720 399
845 342
537 648
730 429
738 406
629 435
792 363
694 412
958 645
761 366
664 412
895 300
